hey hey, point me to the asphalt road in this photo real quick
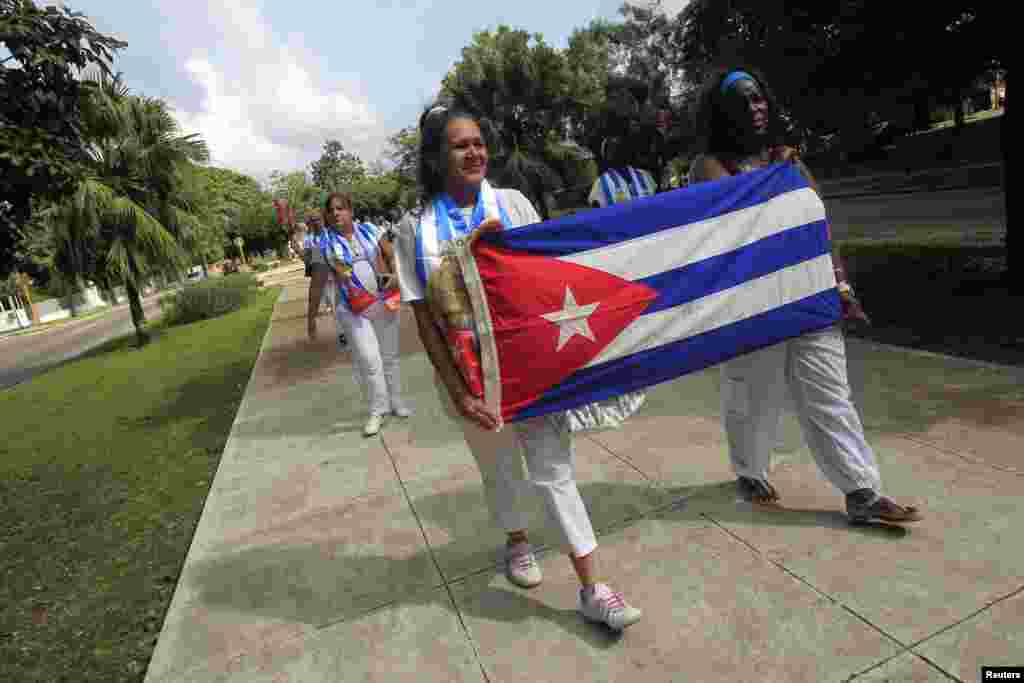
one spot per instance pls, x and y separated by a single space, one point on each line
972 216
26 355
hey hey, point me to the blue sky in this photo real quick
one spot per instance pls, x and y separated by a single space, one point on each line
267 82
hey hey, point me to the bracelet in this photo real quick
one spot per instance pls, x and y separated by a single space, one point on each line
844 288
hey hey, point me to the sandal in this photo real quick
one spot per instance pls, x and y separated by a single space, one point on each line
861 511
756 491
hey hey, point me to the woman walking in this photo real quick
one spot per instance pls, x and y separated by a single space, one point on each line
355 255
741 130
321 293
457 200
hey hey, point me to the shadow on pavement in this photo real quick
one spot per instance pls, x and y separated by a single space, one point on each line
326 583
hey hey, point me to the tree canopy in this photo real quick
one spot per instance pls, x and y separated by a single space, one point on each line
42 148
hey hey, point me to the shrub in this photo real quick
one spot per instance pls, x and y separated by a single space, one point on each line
910 263
261 267
208 299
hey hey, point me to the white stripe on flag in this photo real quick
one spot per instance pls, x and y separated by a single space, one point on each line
737 303
682 245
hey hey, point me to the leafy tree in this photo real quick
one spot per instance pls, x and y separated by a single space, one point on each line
42 150
514 80
832 63
520 86
403 151
375 196
111 226
296 189
336 169
236 206
624 74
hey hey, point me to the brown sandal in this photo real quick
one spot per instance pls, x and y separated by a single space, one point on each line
756 491
881 508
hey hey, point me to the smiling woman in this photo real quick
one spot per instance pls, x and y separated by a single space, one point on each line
459 201
742 132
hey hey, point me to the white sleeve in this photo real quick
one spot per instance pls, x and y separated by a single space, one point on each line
405 260
521 209
652 186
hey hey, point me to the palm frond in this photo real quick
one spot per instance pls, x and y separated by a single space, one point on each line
117 262
152 241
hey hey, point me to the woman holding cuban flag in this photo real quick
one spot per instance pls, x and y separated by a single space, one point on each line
458 200
358 254
740 124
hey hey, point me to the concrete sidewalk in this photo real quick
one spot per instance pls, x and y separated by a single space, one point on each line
324 556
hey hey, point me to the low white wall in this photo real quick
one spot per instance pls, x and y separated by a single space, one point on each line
13 319
57 309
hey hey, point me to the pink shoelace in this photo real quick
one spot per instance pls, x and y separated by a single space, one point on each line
521 561
614 601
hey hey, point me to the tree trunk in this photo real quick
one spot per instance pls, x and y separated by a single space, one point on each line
135 302
72 305
922 112
1014 258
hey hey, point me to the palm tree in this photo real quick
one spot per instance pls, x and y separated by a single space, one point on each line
128 207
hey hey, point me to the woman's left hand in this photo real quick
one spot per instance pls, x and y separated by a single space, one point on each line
852 310
785 153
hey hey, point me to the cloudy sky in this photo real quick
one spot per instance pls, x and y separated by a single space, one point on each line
266 82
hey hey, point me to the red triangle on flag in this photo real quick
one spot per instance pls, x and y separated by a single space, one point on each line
550 317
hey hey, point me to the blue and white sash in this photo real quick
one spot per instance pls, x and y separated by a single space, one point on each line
333 243
442 221
617 189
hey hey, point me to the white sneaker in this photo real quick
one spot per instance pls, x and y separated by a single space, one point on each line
372 426
608 607
521 566
399 409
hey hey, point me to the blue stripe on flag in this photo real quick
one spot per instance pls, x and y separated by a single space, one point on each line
620 222
727 270
688 355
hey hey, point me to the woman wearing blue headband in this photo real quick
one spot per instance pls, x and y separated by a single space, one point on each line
739 123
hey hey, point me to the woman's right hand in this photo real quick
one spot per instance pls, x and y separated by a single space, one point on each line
489 225
473 408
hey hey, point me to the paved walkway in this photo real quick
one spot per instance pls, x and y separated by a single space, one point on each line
324 556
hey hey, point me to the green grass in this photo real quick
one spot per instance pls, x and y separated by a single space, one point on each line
970 118
104 468
943 297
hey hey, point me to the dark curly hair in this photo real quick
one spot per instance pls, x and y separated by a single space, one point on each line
718 130
433 138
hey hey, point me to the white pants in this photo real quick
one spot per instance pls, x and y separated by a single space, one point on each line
327 296
814 368
546 444
374 344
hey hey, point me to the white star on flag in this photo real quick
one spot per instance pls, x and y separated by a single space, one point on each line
572 320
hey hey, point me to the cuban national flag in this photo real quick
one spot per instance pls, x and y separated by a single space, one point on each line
609 301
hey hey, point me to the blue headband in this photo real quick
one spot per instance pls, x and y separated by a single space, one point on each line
729 80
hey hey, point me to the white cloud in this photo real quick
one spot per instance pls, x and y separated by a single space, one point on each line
263 106
673 7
